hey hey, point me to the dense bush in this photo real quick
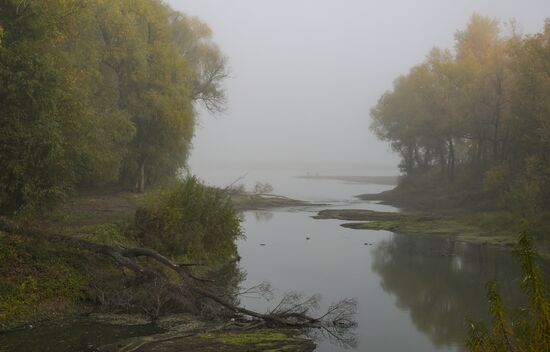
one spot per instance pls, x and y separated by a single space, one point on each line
189 220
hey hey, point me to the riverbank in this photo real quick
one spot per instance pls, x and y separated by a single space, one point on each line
424 199
133 333
45 284
251 201
215 339
483 228
466 218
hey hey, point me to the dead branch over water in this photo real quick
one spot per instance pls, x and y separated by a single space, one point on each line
292 311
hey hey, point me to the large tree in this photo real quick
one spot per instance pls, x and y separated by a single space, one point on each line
483 110
97 92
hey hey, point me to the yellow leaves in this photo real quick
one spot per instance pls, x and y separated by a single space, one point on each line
481 34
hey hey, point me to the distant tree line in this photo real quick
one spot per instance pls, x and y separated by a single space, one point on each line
96 92
478 115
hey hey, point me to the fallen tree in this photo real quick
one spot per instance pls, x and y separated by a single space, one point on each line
291 312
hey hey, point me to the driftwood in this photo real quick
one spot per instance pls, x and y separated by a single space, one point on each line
291 311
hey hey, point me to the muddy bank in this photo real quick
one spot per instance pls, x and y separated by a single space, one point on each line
230 341
188 333
246 201
133 333
441 201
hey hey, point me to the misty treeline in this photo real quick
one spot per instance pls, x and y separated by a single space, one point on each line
96 92
476 117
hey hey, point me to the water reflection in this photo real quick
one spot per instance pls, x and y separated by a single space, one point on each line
228 280
262 215
344 339
70 336
441 283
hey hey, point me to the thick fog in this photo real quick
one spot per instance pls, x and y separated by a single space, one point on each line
305 73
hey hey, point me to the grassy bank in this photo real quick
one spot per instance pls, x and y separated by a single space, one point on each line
42 281
494 228
212 339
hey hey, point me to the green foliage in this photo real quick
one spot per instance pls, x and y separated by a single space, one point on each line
190 220
481 112
96 92
112 234
35 166
37 279
250 338
530 329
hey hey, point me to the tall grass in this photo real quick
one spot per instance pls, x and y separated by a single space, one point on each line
529 330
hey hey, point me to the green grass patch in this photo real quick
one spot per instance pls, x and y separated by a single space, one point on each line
38 280
259 340
499 228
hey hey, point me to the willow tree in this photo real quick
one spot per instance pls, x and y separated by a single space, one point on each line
482 50
97 92
163 63
461 112
50 132
528 166
193 39
482 109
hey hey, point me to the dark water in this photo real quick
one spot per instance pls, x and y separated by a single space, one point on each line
70 336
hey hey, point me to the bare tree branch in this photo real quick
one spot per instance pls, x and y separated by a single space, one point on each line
292 311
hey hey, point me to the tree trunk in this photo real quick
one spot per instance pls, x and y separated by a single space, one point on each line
141 178
497 121
451 159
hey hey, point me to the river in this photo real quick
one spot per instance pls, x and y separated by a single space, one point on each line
414 293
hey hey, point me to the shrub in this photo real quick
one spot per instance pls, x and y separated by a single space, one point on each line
262 188
191 221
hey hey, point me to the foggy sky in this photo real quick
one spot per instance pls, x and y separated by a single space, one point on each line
305 73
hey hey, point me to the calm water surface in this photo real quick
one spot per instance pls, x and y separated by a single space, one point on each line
414 293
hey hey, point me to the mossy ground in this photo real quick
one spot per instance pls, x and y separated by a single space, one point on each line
40 280
235 341
247 201
496 228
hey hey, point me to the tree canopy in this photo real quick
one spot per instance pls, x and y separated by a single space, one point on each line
96 92
478 115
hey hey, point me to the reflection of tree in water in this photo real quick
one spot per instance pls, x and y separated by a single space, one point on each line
228 280
442 282
263 216
336 323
